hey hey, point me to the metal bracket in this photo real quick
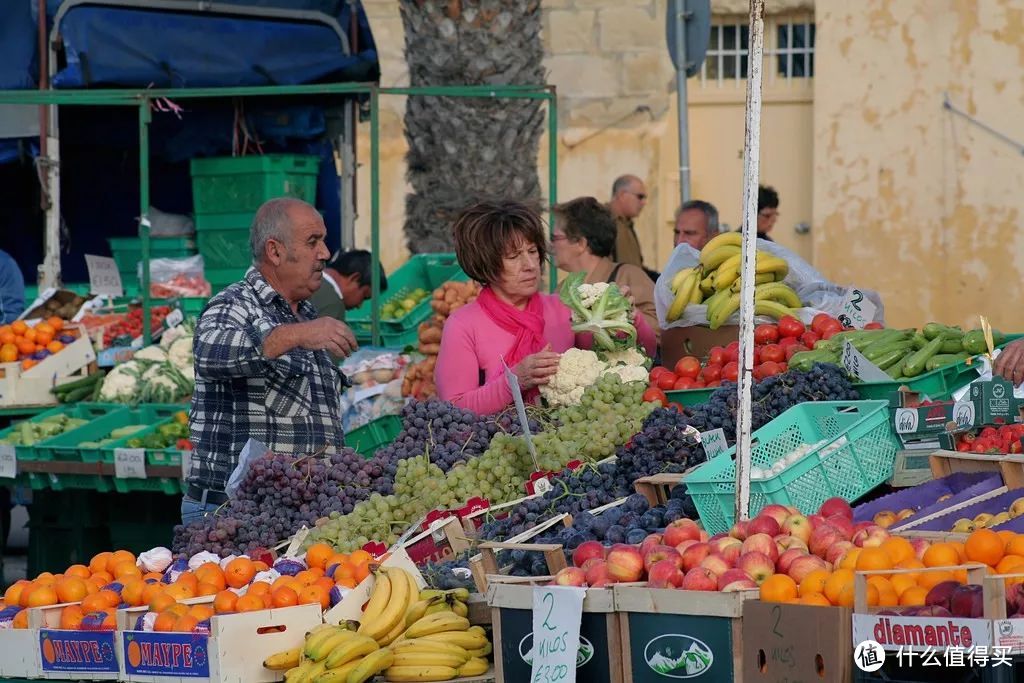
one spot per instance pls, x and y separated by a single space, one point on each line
947 104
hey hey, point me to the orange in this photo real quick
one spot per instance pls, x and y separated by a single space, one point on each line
887 595
117 557
347 582
165 621
897 548
357 556
161 601
110 621
211 573
345 570
46 579
913 597
19 327
941 555
20 619
8 353
901 582
177 609
284 597
985 546
1015 546
318 554
43 596
872 559
362 570
931 579
207 589
186 623
225 602
816 599
239 572
94 603
29 335
56 323
1010 564
306 578
71 589
912 563
132 592
259 588
180 591
6 335
71 617
336 558
961 550
846 596
201 612
79 570
318 571
250 603
314 594
835 582
778 588
104 577
43 339
188 579
28 364
150 591
261 566
113 599
13 592
127 570
285 581
325 583
849 558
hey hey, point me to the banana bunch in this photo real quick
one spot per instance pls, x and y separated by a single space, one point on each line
439 647
716 283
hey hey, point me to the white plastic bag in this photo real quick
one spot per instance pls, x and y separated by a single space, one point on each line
176 277
162 224
252 450
819 295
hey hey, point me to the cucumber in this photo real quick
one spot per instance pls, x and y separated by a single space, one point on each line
920 341
933 330
891 358
876 351
79 383
951 345
76 395
915 363
942 360
805 359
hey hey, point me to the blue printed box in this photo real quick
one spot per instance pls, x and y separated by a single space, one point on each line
79 652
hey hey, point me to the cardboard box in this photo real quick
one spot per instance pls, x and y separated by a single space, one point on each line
697 340
783 643
63 654
33 386
954 489
351 605
19 653
994 402
1009 466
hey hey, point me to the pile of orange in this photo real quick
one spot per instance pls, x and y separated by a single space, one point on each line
999 552
347 569
18 341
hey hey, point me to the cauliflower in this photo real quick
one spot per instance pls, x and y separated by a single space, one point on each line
628 373
180 353
122 384
591 293
577 370
600 309
630 356
151 354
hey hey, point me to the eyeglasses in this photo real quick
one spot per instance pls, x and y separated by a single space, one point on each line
558 238
768 213
639 195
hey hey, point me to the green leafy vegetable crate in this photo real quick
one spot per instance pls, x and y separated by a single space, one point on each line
83 444
366 440
51 423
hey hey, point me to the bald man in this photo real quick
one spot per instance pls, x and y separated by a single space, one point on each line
629 196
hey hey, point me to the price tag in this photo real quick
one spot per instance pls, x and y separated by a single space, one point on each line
8 462
860 367
104 277
858 310
963 414
297 539
517 397
541 486
174 318
557 612
906 420
714 442
130 463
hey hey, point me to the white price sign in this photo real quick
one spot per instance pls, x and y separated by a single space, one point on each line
130 463
104 277
174 318
8 462
714 442
860 367
858 310
524 422
557 612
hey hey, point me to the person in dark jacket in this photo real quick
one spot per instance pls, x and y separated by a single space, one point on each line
12 289
346 284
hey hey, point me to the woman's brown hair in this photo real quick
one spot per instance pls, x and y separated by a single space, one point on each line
486 231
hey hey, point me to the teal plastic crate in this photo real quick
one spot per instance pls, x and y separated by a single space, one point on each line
219 278
83 411
422 271
689 397
228 249
859 456
239 185
158 457
366 440
65 447
127 252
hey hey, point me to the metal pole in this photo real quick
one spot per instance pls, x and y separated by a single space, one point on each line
375 214
348 177
679 8
552 174
144 119
751 158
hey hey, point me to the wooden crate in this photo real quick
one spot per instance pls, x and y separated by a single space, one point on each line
475 520
476 566
485 565
1011 467
63 654
662 628
19 653
657 487
351 606
444 539
784 642
511 602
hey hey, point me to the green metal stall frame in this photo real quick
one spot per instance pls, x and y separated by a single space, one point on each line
143 98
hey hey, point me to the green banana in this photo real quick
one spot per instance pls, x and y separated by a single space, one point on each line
722 311
779 292
772 309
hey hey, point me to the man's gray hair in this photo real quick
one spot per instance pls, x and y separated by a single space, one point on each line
271 223
622 183
707 208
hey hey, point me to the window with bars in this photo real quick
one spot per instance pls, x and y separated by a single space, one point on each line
790 43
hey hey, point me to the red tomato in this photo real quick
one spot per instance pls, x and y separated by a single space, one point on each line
820 321
784 366
699 384
786 342
657 372
715 384
667 381
809 338
757 355
963 447
732 352
653 395
684 383
794 349
770 368
687 366
766 334
716 356
873 326
790 326
712 372
988 432
756 373
731 371
1015 447
830 329
774 353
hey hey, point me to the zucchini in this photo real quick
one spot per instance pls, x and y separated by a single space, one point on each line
952 345
805 359
876 351
916 362
974 342
920 341
76 395
933 330
944 359
79 383
890 358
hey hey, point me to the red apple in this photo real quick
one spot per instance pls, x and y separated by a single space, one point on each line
597 572
717 536
863 525
739 530
872 537
731 575
662 552
625 563
649 542
727 548
966 602
785 542
816 520
758 565
836 551
761 543
694 554
664 574
802 566
571 576
843 525
699 579
823 538
920 545
704 536
787 558
763 525
836 506
681 548
739 585
941 593
681 530
797 526
776 512
586 551
593 561
715 564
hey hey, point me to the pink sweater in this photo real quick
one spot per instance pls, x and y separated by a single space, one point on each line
472 343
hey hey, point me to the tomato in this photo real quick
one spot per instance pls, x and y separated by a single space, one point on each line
988 432
687 366
716 356
711 372
830 329
655 396
667 381
657 372
874 326
715 384
685 383
809 338
784 367
794 349
819 322
731 371
699 384
766 334
732 352
770 368
790 326
756 374
786 342
963 447
1015 447
774 353
757 355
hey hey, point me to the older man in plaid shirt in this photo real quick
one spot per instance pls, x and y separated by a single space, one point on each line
263 357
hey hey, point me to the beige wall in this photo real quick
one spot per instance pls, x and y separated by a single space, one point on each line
908 198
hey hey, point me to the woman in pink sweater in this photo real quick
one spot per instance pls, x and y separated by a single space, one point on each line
502 245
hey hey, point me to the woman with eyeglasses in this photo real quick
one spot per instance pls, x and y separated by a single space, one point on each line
767 210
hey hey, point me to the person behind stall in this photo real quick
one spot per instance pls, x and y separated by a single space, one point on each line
12 289
346 284
583 239
501 244
696 223
629 196
1010 363
767 210
263 357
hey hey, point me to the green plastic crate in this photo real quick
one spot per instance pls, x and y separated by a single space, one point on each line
127 252
228 249
366 440
689 397
54 549
157 457
859 456
219 278
238 185
84 411
65 447
426 271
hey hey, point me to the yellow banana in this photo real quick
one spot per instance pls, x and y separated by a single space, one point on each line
772 309
312 672
722 312
315 641
477 629
437 623
299 673
338 675
759 279
678 278
461 594
722 239
769 263
707 285
418 609
460 608
420 673
712 259
779 292
467 640
474 667
683 295
424 645
401 589
438 607
352 649
429 593
379 599
482 652
324 650
728 272
319 628
282 661
423 658
371 665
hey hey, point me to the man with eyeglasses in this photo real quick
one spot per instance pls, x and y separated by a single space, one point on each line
696 223
629 196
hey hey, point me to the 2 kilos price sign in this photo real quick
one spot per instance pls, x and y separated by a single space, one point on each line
858 310
557 613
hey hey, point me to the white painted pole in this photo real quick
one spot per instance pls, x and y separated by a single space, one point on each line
751 162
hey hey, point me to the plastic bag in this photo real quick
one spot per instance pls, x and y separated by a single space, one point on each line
169 224
819 295
252 450
175 277
984 366
376 376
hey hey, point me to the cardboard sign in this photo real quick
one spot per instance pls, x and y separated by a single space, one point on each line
857 309
178 655
860 367
104 277
714 442
906 420
174 318
557 614
130 463
8 462
77 651
919 634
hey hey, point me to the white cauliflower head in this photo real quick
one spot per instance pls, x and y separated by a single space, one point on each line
577 370
628 373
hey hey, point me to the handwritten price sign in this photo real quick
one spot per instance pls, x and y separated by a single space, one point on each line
104 277
8 462
130 463
714 442
858 310
860 367
557 613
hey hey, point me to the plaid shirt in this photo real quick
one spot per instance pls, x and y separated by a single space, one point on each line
291 403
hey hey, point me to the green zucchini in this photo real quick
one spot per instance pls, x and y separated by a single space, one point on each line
933 330
952 345
877 350
974 342
920 341
943 359
916 362
891 358
76 395
89 381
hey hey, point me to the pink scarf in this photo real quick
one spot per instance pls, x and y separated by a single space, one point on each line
527 325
